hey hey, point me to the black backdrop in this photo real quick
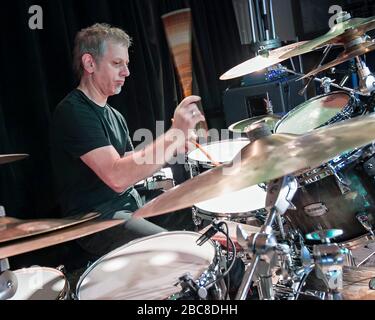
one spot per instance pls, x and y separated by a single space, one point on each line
36 74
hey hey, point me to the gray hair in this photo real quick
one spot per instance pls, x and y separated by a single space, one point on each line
93 40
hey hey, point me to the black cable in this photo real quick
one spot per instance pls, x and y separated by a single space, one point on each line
234 252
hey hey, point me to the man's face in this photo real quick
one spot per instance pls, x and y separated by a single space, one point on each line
112 69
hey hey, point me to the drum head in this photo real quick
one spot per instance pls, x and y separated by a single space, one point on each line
235 203
220 151
146 269
313 113
37 283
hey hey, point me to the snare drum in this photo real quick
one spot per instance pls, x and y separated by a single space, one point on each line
149 268
236 205
317 112
40 283
220 151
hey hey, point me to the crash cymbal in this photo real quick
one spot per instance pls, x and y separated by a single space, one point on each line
18 229
6 158
264 160
13 248
351 53
240 127
341 33
260 62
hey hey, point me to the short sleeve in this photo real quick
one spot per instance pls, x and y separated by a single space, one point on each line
80 129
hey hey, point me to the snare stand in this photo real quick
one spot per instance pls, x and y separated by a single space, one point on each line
263 244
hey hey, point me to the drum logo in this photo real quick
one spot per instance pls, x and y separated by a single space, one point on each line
316 209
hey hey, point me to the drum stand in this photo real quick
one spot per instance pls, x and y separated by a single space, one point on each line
263 244
8 280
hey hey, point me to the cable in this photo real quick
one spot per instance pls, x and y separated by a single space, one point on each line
234 252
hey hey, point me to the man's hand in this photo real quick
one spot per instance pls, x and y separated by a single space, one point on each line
187 115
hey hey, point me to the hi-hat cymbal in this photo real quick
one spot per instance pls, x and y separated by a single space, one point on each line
240 127
84 229
260 62
13 230
264 160
353 52
6 158
339 34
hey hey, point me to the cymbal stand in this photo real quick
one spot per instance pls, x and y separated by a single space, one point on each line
325 54
350 90
8 280
366 77
263 244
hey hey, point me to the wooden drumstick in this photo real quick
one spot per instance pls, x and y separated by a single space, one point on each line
215 163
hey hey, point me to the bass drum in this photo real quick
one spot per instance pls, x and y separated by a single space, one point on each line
317 112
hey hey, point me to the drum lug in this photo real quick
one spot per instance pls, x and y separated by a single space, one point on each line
341 182
364 220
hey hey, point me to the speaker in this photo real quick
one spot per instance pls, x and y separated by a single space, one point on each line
247 102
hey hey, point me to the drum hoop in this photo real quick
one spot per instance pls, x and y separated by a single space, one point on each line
158 235
228 215
63 294
344 110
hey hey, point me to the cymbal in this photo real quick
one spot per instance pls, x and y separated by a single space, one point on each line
240 127
260 62
339 34
6 158
13 230
264 160
355 51
55 237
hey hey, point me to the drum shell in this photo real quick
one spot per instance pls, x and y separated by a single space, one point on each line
323 205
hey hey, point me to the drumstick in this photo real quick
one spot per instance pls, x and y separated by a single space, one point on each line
203 151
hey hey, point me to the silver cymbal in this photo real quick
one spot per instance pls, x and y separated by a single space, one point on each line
7 158
264 160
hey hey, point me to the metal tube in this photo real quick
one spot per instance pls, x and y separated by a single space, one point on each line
246 281
272 20
259 20
253 34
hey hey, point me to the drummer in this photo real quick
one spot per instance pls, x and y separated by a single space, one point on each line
94 162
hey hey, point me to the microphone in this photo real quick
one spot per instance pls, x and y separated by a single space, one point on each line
215 228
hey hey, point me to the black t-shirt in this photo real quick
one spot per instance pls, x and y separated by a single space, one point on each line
79 126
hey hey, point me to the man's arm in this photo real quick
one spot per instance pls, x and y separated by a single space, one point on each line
119 173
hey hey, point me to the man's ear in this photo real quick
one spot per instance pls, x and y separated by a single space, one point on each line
88 63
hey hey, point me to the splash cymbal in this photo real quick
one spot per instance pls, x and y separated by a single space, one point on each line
7 158
264 160
13 230
353 52
84 229
260 62
240 127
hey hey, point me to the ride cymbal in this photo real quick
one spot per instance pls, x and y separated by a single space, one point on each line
349 54
339 34
264 160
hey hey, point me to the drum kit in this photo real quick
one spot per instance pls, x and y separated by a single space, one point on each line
292 198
